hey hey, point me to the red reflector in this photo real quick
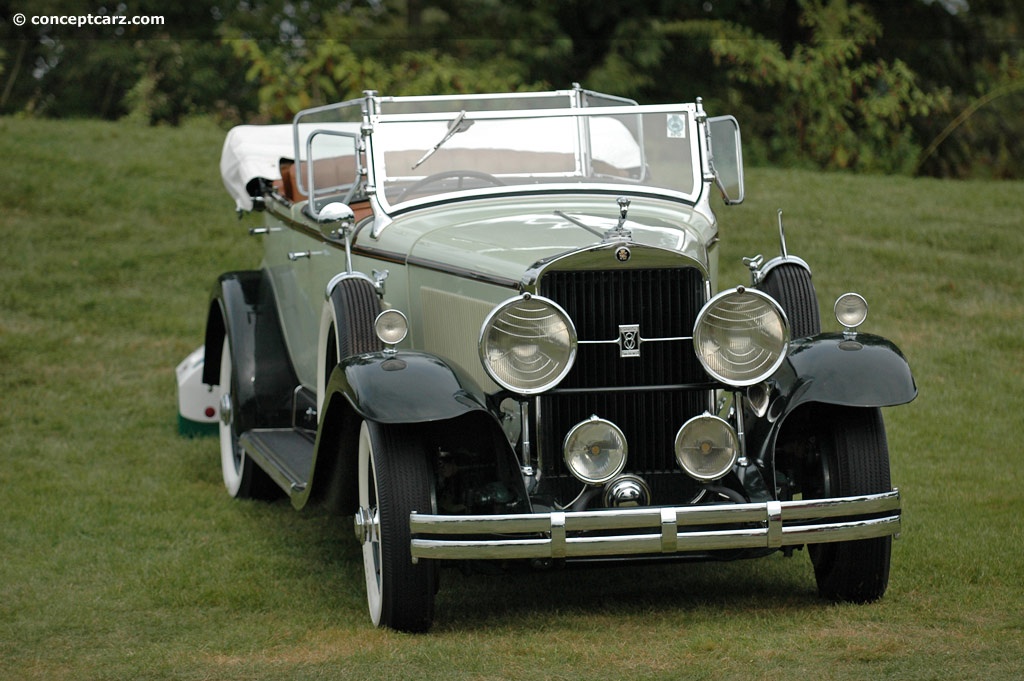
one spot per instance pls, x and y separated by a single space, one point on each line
210 412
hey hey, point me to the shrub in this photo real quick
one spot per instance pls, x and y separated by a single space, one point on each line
831 105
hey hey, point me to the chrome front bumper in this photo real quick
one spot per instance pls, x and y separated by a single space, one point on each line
654 530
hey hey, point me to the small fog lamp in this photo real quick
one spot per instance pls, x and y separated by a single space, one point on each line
851 310
595 451
391 327
706 447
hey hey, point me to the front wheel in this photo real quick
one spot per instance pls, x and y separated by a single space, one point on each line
851 456
394 481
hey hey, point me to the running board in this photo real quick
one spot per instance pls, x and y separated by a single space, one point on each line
285 454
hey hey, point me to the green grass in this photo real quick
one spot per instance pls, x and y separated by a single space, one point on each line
122 557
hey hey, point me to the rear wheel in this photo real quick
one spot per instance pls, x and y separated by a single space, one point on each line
394 481
242 478
850 457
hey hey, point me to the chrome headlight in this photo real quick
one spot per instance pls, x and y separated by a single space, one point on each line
706 447
527 344
595 451
741 336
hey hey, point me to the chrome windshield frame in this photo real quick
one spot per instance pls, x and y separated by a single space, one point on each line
377 126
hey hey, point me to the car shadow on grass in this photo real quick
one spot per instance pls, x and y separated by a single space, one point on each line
475 599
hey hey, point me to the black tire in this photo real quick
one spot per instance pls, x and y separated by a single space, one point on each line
791 285
852 457
357 306
243 479
395 479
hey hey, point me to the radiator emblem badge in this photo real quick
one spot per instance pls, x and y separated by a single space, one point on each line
622 254
629 340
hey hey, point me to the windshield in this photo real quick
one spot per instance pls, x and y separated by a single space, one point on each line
419 157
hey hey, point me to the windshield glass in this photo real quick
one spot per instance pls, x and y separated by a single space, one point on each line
417 158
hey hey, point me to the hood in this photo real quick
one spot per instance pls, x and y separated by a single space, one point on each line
505 239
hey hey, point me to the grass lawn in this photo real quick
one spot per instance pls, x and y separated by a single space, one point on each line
123 558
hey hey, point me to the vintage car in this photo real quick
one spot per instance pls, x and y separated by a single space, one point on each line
489 329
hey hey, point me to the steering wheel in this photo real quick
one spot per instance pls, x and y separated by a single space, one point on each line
460 175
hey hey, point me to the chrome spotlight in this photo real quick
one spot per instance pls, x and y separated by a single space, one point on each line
391 327
851 310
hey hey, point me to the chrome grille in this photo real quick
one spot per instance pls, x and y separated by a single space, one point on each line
663 302
649 396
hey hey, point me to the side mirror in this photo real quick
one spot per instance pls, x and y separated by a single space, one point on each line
335 220
727 158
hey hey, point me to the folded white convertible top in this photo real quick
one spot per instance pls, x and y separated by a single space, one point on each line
252 151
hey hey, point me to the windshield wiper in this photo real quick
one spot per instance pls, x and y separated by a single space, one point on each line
458 124
579 223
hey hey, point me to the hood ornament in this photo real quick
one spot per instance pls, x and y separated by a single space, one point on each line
623 208
620 231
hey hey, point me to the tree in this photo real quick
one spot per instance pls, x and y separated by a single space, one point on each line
370 48
830 101
842 84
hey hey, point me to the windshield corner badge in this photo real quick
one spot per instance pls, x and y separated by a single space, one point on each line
676 126
629 340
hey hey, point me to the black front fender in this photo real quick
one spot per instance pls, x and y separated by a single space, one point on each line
408 387
863 371
404 388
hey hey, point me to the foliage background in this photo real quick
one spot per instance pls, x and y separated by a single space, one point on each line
914 87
